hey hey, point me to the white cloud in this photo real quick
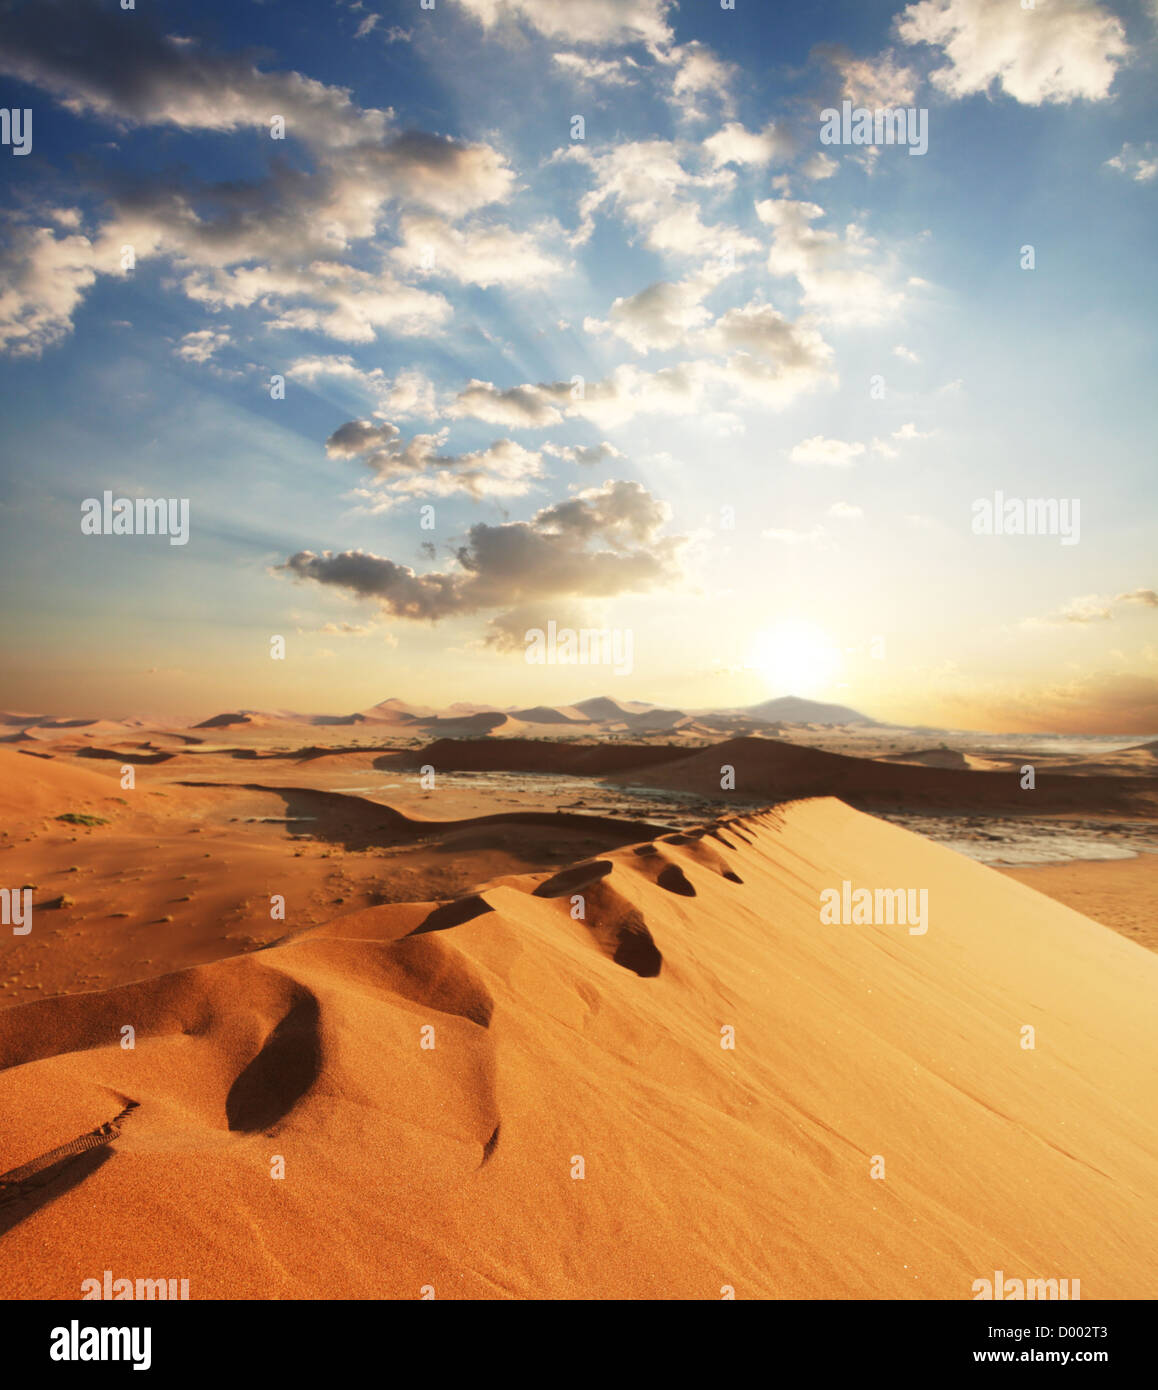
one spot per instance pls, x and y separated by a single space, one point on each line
845 511
734 144
1093 608
411 392
527 407
1139 163
768 362
647 184
829 267
417 467
280 242
698 72
201 345
1059 51
608 72
832 453
584 454
43 279
874 82
474 254
580 21
659 317
820 166
904 434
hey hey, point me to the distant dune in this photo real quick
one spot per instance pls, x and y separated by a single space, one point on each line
577 1097
533 755
779 771
791 709
227 721
48 785
930 757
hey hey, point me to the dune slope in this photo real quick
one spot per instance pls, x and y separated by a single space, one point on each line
565 1045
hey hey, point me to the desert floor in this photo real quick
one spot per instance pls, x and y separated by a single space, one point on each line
567 1023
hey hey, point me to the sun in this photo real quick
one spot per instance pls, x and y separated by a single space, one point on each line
795 658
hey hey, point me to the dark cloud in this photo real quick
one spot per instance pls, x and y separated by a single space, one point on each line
599 544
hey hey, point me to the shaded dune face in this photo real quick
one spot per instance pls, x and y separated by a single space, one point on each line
281 1073
238 1048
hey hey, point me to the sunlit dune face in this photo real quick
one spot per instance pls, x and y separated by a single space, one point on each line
795 658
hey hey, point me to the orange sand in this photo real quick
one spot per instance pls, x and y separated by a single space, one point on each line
703 1167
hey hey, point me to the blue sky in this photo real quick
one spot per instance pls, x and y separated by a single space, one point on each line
837 343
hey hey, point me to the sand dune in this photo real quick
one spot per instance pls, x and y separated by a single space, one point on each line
930 757
530 755
558 1040
47 785
781 771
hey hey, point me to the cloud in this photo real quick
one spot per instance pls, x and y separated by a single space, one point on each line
1062 51
829 267
734 144
1139 163
772 360
767 360
358 437
417 467
410 393
832 453
129 74
628 391
201 345
905 354
475 254
873 82
845 511
646 183
281 242
698 72
596 22
1091 608
659 317
587 455
601 543
43 279
906 433
608 72
358 630
528 407
820 166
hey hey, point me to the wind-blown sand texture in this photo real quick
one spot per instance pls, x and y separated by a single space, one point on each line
559 1039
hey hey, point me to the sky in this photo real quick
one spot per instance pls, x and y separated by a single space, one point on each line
449 323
